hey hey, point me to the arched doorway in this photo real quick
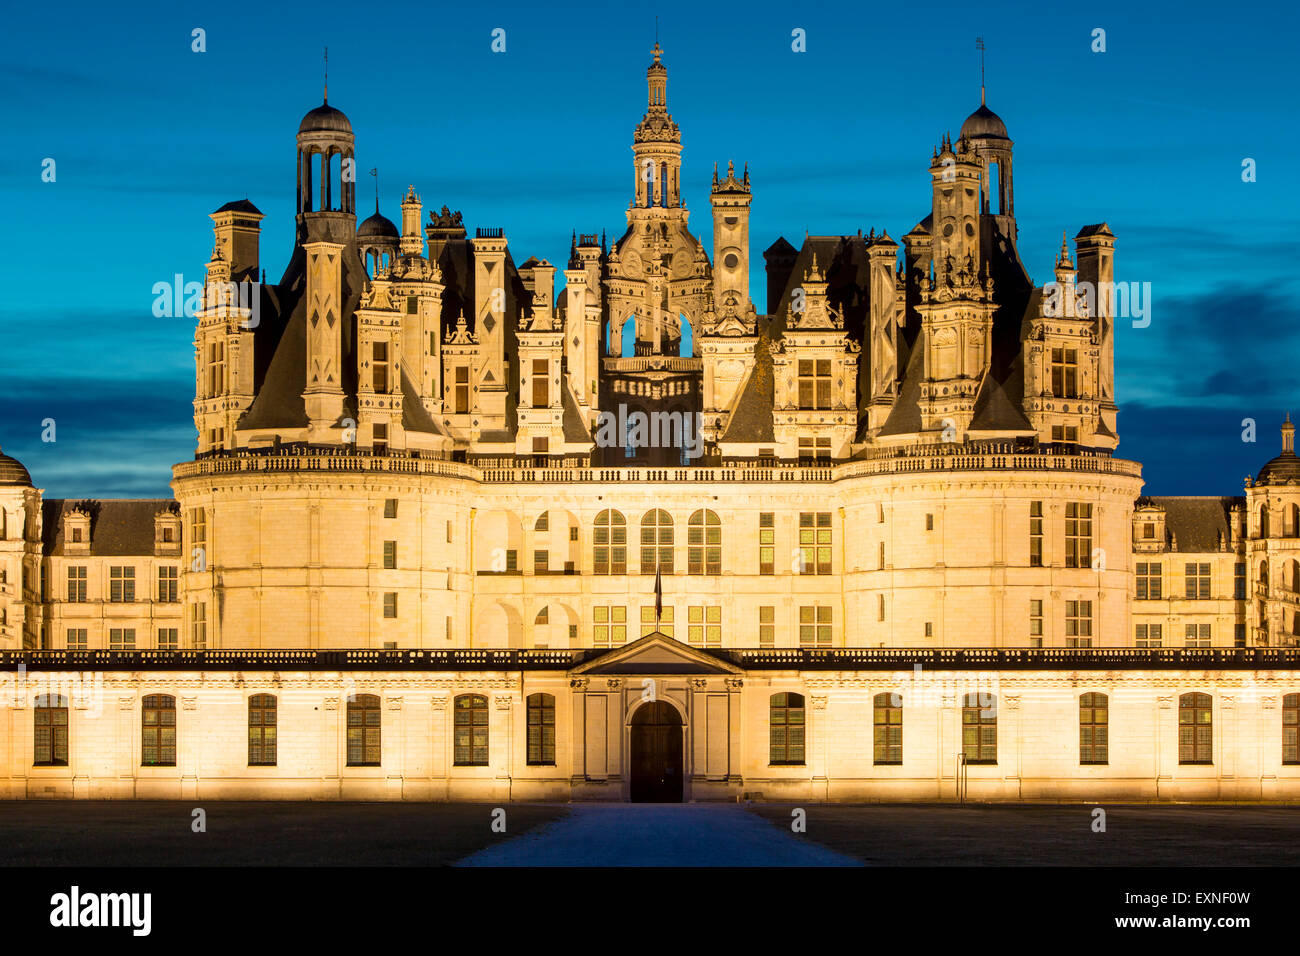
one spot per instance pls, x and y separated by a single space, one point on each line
656 754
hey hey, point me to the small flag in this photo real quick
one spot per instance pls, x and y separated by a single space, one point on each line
659 598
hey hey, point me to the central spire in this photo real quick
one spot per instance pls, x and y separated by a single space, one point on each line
657 81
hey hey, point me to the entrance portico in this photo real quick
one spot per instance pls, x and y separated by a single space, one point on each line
658 721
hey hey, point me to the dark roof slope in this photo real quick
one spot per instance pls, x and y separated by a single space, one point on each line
118 526
1196 523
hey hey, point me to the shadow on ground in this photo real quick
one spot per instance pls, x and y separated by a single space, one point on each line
158 833
1038 835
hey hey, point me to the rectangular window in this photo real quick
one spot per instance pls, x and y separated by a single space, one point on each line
541 381
1198 635
1036 622
1065 373
77 584
216 368
1291 729
1035 534
609 626
1239 581
1094 726
121 582
158 731
786 730
199 625
979 728
262 727
390 604
814 449
814 626
168 638
1078 624
198 528
168 581
77 639
541 730
390 508
50 717
929 522
541 561
767 626
1198 581
1149 581
390 554
121 639
814 383
379 367
888 721
462 390
1078 534
1195 729
704 625
815 542
648 625
767 543
1149 635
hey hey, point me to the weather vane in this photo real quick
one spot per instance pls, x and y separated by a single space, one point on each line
327 74
979 45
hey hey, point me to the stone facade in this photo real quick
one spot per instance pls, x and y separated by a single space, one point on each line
416 461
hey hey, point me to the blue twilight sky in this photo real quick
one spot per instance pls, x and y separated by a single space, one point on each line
149 137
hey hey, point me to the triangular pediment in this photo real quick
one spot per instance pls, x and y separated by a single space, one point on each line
656 653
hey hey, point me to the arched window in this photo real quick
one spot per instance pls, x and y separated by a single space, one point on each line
1195 729
889 729
657 542
1263 520
541 730
1094 727
1291 521
363 731
51 727
543 522
786 730
704 543
261 730
543 616
471 730
979 728
158 731
609 553
1291 729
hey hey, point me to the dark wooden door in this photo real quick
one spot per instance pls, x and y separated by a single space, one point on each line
656 756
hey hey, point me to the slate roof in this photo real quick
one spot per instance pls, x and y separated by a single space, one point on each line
118 526
1195 522
751 417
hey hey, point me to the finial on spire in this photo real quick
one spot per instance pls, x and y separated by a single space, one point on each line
1288 436
327 75
979 45
375 172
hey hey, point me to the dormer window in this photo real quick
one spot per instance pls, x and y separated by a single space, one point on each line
76 532
1149 531
167 532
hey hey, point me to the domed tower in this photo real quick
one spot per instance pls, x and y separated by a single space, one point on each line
20 556
325 228
988 136
1273 547
377 241
326 162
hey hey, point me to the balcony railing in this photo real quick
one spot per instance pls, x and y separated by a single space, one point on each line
562 659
